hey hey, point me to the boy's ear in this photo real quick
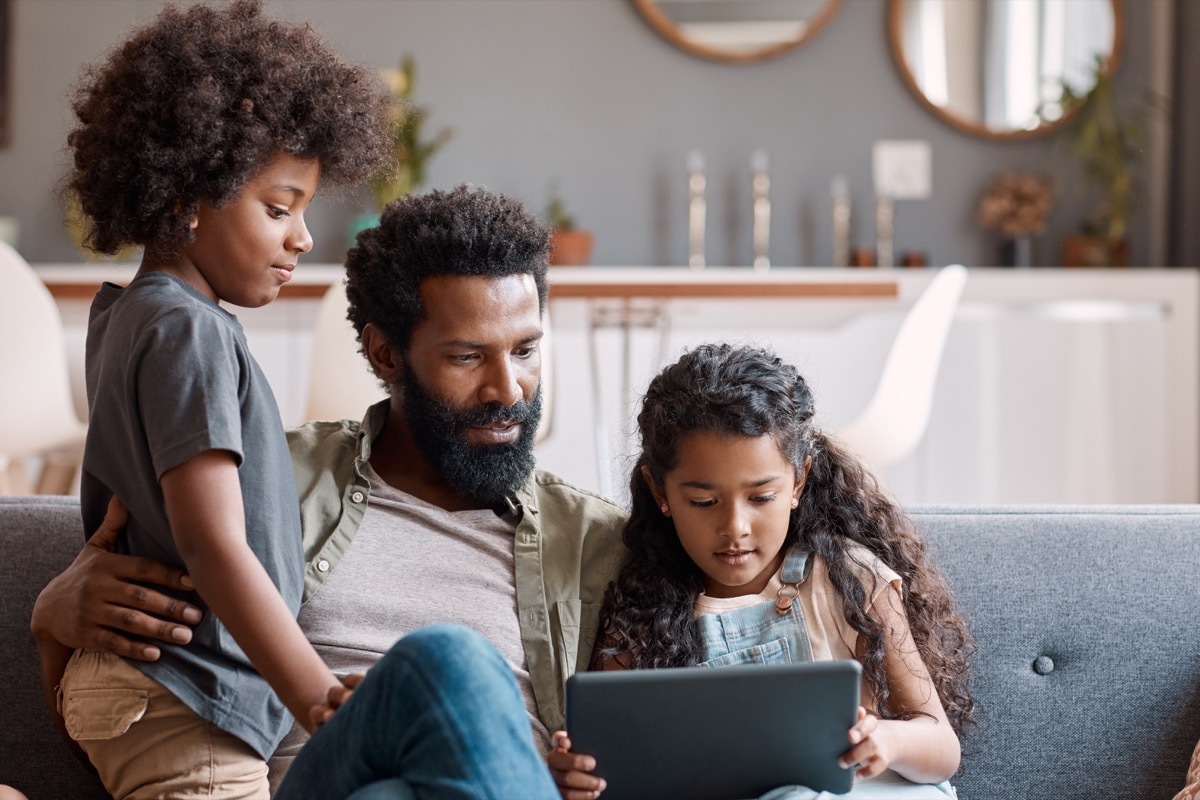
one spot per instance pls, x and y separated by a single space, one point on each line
385 360
660 496
801 479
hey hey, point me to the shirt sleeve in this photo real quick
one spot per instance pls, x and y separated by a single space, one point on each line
188 384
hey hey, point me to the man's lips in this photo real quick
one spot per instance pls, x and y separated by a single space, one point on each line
495 433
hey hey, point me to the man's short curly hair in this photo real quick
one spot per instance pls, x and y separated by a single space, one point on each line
465 231
195 103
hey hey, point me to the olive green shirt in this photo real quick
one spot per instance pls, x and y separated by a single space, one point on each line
566 548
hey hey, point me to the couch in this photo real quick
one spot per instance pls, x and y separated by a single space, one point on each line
1087 670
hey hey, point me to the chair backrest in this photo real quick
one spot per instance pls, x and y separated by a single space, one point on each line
341 383
896 416
36 409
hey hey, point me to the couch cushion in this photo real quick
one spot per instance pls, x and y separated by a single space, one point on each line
1087 673
39 536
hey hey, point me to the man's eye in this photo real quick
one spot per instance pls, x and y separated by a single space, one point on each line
525 352
463 358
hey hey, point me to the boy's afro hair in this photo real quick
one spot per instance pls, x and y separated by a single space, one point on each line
195 103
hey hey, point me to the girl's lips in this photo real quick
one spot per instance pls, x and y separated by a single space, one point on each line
734 557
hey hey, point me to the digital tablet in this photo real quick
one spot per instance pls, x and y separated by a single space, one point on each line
715 734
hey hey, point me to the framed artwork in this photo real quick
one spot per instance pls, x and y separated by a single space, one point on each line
5 102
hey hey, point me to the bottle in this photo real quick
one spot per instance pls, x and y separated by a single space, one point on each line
840 202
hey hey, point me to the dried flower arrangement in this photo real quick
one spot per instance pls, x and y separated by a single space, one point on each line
1016 204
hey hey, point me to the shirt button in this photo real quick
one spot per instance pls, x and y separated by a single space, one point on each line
322 566
357 497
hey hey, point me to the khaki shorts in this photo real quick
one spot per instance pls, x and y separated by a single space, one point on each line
145 743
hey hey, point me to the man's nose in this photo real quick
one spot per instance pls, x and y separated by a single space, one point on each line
501 387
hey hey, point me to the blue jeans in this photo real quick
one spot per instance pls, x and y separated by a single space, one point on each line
439 716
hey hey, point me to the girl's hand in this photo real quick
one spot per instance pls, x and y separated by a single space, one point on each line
570 770
870 754
334 700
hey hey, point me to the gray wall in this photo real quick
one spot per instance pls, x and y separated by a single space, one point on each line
584 93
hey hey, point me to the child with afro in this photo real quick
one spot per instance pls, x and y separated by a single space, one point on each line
203 139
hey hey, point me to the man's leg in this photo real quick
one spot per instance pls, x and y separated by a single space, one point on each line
441 712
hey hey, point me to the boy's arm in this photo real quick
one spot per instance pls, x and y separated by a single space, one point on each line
204 506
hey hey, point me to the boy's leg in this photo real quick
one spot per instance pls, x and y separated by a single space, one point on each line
442 713
145 743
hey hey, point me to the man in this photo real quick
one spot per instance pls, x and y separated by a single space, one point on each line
430 510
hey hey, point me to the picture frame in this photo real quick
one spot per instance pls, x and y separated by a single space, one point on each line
5 102
5 93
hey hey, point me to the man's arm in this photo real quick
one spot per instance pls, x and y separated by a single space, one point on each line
205 508
100 603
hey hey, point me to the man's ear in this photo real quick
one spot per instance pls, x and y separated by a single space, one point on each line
385 360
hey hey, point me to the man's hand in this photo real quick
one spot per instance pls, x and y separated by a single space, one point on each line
100 602
337 696
571 770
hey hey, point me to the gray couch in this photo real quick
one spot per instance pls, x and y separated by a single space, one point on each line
1087 673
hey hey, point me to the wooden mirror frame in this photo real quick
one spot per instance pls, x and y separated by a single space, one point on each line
667 28
895 12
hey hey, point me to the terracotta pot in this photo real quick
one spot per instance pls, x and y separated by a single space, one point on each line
571 248
1079 250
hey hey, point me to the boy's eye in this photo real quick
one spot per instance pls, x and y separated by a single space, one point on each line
277 213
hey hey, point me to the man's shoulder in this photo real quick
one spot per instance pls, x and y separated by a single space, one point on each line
317 441
566 502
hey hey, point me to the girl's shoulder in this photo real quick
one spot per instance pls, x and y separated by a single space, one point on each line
870 570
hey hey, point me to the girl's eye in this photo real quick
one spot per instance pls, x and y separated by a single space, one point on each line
701 503
762 498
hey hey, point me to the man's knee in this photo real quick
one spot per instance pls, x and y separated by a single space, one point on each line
443 649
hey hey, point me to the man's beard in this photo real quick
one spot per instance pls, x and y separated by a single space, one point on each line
488 473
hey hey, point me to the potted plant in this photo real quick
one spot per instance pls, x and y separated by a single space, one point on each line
1108 145
1016 205
569 245
411 153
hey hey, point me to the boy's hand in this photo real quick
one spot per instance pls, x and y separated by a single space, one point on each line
104 600
570 770
336 697
870 754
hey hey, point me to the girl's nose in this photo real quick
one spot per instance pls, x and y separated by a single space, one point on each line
736 524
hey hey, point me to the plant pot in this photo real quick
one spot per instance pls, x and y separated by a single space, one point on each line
1080 250
571 248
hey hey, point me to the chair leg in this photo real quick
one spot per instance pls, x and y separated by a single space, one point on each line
56 477
13 478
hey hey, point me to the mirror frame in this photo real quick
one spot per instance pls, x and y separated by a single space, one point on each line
670 31
895 12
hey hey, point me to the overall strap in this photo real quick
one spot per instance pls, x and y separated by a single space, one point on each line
795 569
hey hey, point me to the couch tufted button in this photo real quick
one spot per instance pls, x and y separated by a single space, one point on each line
1043 665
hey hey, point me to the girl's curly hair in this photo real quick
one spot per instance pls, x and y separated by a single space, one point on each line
195 103
648 617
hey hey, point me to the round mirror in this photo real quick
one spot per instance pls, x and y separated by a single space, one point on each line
737 30
1002 68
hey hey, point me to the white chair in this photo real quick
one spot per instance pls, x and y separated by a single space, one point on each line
37 414
897 415
341 383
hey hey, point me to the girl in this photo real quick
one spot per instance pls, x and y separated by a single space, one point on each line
203 139
749 523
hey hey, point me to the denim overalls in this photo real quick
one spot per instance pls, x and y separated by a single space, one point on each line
776 633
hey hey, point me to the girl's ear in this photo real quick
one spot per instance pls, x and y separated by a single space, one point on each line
385 360
660 496
801 479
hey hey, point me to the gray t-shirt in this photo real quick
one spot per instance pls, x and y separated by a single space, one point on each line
170 376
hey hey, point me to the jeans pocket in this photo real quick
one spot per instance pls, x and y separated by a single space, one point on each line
775 651
96 714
